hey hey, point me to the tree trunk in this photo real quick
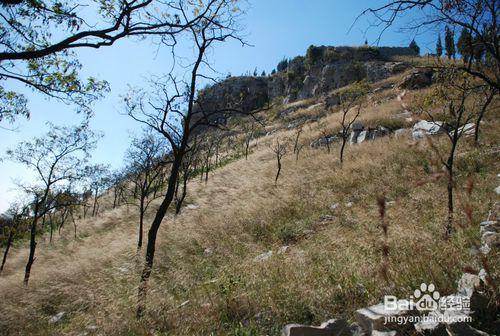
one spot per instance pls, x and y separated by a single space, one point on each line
7 248
94 210
279 170
31 257
141 223
344 141
153 232
183 195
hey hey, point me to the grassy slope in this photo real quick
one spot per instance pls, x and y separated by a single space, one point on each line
330 268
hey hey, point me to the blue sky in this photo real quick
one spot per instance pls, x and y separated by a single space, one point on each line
274 28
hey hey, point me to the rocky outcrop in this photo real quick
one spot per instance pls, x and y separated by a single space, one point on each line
338 67
417 79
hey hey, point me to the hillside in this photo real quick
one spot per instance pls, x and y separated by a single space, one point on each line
246 256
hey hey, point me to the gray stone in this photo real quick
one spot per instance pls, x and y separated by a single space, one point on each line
57 318
488 226
467 284
417 79
363 136
329 328
373 318
423 128
357 126
467 129
431 328
497 190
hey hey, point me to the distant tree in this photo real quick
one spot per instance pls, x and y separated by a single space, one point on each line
465 45
263 74
313 55
351 102
98 179
282 65
255 72
325 134
449 43
10 223
273 72
439 47
279 149
486 95
366 42
248 136
414 46
145 160
119 186
479 17
57 158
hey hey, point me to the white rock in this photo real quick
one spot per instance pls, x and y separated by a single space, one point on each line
263 256
467 129
334 206
423 128
283 249
192 206
348 204
467 284
56 318
363 136
497 190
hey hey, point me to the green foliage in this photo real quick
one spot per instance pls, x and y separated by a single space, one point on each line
449 42
414 46
282 65
313 55
465 45
439 47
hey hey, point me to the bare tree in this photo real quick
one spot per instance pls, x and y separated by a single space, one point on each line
98 180
248 134
279 149
146 157
351 103
326 134
456 96
176 114
57 159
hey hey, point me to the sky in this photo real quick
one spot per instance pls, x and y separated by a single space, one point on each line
274 29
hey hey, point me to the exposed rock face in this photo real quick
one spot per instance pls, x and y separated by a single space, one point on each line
344 66
418 79
329 328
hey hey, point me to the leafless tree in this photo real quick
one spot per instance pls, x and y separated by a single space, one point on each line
145 158
176 114
279 149
487 95
456 96
248 134
57 158
98 179
190 158
351 103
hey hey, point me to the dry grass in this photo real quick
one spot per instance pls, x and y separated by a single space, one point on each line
206 280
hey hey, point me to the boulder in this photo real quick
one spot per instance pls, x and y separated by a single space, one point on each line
363 136
467 129
463 329
374 318
400 133
467 284
424 127
57 317
329 328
